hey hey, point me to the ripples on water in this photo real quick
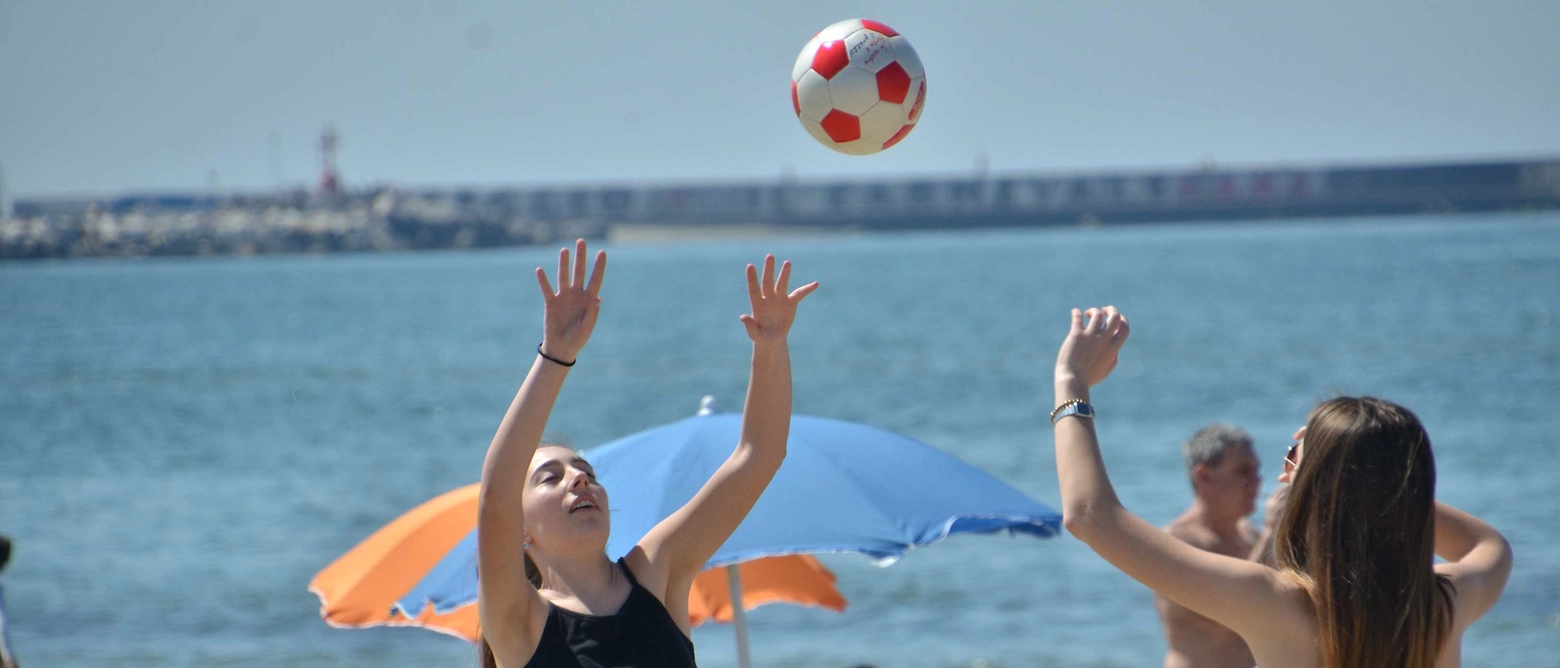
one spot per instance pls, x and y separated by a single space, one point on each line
184 443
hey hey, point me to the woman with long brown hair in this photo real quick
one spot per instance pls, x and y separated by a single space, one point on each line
1354 585
547 593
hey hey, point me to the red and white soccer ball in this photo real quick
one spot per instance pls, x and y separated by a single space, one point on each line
858 87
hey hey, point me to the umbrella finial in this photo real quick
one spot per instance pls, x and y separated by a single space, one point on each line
707 405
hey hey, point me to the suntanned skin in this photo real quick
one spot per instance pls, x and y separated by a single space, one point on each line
545 502
1270 609
1216 522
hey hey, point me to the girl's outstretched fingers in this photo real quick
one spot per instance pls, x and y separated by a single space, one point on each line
774 308
544 284
596 274
803 291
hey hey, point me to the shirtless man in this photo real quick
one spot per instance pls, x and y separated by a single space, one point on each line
1225 477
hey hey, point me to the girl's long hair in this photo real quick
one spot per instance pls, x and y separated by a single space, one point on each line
1359 532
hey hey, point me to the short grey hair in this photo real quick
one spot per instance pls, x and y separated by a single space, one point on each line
1209 444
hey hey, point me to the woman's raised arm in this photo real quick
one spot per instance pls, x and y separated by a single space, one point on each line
1228 590
1478 561
679 546
506 600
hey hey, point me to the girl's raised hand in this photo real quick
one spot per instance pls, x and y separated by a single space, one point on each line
571 310
774 309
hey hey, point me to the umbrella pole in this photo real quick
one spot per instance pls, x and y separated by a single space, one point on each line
738 615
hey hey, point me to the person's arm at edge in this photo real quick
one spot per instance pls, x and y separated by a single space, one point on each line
1478 561
7 659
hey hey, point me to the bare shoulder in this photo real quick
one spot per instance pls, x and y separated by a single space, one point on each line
1192 533
1287 633
651 573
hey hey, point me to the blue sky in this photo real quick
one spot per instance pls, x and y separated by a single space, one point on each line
107 97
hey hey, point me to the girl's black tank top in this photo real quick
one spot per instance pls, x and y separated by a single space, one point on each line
640 635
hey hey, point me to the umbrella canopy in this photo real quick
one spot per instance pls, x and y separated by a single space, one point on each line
362 587
797 579
844 487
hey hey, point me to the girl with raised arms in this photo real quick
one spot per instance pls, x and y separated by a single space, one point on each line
1355 583
548 594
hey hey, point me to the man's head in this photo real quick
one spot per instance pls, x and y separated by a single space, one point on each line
1223 468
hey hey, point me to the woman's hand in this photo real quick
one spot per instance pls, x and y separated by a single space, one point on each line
571 311
1090 352
773 308
1273 510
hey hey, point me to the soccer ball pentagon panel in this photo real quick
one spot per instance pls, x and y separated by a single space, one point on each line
858 87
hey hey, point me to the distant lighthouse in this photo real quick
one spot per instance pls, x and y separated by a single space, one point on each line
330 181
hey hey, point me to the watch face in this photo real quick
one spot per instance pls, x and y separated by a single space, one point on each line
1085 409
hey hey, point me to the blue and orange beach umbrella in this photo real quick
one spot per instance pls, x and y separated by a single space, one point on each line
365 586
845 487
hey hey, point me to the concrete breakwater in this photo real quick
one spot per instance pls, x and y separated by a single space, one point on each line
389 219
344 224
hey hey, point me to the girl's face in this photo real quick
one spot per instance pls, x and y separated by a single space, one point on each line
563 502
